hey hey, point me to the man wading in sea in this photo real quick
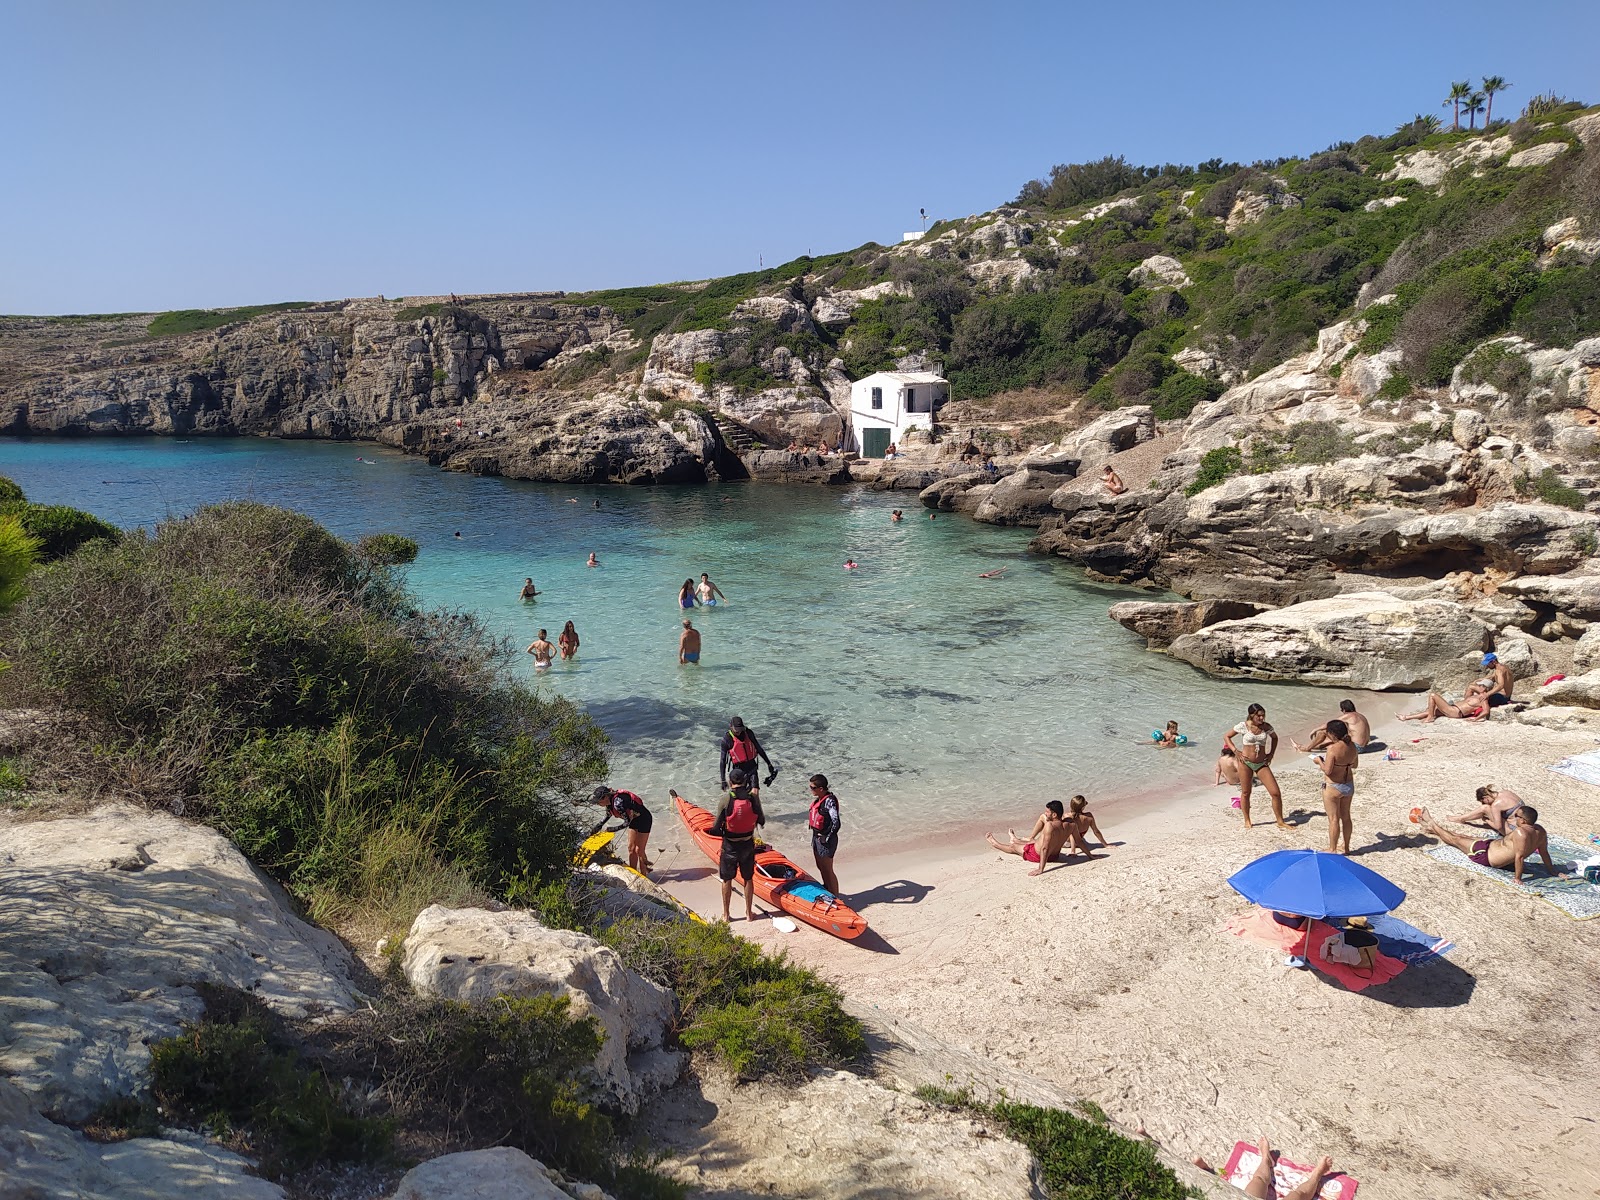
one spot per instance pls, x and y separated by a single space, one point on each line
688 644
740 749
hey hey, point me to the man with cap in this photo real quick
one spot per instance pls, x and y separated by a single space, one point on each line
628 808
740 750
1497 684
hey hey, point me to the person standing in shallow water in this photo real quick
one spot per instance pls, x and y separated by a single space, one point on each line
824 822
1253 743
528 590
707 592
543 652
568 640
688 643
686 596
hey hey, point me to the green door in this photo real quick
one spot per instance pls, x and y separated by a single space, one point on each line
874 442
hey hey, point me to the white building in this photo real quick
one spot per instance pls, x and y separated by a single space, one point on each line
885 405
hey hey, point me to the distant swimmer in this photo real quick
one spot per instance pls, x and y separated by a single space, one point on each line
993 574
597 504
593 561
850 564
528 590
897 515
543 652
458 533
688 643
932 516
707 592
686 596
568 641
572 499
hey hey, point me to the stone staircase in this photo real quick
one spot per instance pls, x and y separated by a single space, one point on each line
734 435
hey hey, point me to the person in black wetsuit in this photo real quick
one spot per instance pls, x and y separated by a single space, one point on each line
740 750
824 822
628 808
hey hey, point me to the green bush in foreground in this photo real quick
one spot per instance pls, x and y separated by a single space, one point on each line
58 529
18 552
390 549
1216 466
759 1013
10 492
1082 1159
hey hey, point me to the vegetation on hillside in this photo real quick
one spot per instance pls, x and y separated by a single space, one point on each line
193 320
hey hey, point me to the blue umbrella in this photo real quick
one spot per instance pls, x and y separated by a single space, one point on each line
1313 883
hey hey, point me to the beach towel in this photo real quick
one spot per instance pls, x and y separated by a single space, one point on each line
1585 766
1244 1160
1257 925
1575 897
1408 944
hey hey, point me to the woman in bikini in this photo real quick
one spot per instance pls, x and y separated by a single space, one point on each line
568 641
1338 762
1253 743
686 596
1083 821
1473 707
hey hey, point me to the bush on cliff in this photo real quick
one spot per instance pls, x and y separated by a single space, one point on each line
58 529
244 664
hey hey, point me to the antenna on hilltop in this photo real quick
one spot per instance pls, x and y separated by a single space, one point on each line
924 213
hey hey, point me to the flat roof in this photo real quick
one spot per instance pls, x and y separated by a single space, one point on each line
906 377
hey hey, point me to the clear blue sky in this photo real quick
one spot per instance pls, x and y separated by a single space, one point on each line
178 153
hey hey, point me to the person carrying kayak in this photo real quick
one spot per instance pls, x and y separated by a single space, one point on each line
740 750
628 808
735 823
824 822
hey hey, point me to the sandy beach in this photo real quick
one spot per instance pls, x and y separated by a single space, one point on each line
1476 1075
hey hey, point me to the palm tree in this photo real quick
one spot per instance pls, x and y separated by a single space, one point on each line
1426 122
1458 93
1491 85
1474 105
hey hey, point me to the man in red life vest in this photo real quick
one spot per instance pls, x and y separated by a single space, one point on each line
735 823
740 750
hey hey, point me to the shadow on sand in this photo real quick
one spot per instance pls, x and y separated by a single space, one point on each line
896 891
1439 984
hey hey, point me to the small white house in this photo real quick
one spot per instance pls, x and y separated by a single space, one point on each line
885 405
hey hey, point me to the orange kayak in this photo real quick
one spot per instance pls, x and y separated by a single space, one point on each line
778 881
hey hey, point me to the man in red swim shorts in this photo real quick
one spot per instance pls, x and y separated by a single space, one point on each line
1049 834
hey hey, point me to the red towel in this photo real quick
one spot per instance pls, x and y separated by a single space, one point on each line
1258 926
1242 1164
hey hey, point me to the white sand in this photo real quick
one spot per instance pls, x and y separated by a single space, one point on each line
1475 1076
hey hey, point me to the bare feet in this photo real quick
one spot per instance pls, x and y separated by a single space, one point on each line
1299 747
989 837
1282 824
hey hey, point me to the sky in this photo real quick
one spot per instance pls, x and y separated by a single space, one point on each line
176 154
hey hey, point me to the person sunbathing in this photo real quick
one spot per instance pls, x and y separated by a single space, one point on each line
1494 807
1473 707
1261 1186
1050 833
1524 840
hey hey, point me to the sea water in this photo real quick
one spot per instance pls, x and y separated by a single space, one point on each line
934 700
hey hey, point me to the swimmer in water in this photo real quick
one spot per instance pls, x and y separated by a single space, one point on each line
708 592
686 596
597 504
458 533
849 564
528 590
593 561
896 515
993 574
543 652
932 516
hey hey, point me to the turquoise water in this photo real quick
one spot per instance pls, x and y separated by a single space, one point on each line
934 700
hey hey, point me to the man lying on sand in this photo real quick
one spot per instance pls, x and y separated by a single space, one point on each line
1049 834
1525 839
1494 806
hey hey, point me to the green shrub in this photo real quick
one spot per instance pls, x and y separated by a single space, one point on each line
1081 1159
440 376
193 320
1552 489
12 777
248 665
1181 391
1561 309
1396 387
10 493
1216 466
58 529
233 1074
1313 442
759 1013
416 312
390 549
1500 367
19 550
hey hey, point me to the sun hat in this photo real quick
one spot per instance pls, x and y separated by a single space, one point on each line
1359 923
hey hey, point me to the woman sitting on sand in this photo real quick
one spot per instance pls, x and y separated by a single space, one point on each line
1473 707
1257 742
1227 768
1082 821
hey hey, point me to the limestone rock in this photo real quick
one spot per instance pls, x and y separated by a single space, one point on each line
471 954
1576 691
105 962
1023 497
1160 622
501 1173
1575 596
1587 128
1367 639
1116 431
780 466
1384 202
1564 245
788 315
1469 429
1160 270
836 1136
1537 156
1586 654
1429 167
782 415
959 493
40 1159
1250 206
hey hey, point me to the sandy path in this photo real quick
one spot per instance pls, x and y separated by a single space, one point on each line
1112 978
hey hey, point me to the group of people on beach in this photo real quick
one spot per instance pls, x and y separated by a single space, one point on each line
738 816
